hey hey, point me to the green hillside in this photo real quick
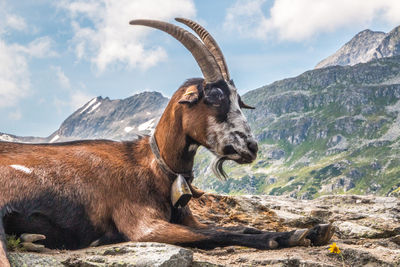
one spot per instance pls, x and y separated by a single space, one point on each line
331 130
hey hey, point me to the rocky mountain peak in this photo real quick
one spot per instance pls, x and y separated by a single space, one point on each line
121 119
361 48
365 46
390 45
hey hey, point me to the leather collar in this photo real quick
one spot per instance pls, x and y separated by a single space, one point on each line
163 165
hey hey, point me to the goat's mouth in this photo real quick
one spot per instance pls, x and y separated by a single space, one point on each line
230 153
239 156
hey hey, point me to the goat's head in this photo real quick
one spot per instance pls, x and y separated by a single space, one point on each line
211 108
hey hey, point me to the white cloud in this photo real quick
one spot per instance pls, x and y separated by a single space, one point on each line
63 80
14 75
78 99
15 22
110 41
14 68
10 21
301 19
14 59
40 47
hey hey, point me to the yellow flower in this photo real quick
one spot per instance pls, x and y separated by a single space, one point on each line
334 248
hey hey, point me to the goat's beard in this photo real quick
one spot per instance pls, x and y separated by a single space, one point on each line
217 167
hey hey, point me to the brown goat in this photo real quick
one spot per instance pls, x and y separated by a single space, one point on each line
101 191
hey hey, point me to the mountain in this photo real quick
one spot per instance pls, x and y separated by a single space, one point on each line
102 118
331 130
365 46
25 139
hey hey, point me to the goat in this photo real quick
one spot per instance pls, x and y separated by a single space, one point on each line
101 191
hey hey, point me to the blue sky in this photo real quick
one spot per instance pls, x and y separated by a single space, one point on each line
57 55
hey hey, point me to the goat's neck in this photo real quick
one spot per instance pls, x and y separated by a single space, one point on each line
176 148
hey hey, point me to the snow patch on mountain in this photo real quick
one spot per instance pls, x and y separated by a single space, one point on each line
128 129
55 138
88 105
6 138
94 107
148 125
120 119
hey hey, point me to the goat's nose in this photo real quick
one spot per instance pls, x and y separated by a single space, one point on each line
252 145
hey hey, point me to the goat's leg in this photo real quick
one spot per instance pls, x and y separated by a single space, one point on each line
318 235
164 232
3 253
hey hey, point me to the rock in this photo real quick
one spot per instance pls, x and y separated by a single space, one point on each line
30 259
360 257
124 254
271 180
276 154
344 183
396 239
354 230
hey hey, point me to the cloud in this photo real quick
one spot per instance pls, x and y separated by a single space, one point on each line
108 40
14 68
40 48
63 80
77 99
14 75
14 59
246 18
301 19
10 21
15 22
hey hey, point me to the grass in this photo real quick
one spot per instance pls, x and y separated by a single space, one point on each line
13 243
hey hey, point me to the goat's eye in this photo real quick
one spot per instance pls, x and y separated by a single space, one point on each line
214 96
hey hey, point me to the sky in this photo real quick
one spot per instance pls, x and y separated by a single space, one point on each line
57 55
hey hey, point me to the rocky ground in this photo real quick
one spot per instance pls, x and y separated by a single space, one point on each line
368 234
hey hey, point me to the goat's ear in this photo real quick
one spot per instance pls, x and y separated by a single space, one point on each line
191 95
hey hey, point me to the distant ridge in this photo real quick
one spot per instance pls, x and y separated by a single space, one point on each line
365 46
120 119
102 118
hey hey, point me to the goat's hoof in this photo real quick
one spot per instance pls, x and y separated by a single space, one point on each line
321 234
95 243
31 247
28 245
31 237
298 238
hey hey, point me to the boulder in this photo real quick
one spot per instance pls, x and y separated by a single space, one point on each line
124 254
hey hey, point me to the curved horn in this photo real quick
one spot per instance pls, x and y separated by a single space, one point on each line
210 43
204 58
